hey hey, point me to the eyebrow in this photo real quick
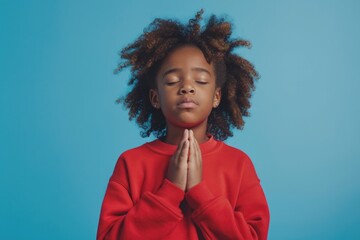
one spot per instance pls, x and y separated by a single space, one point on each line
196 69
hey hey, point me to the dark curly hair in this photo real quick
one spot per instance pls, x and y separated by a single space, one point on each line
234 74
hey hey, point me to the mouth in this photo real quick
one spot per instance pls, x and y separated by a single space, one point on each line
187 103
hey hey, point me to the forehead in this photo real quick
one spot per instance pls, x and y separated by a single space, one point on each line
184 57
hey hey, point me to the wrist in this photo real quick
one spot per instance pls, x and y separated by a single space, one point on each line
198 195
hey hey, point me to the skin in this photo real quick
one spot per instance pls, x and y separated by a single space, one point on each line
186 93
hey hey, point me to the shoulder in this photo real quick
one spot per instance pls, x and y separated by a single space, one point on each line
248 169
237 158
132 153
138 155
131 159
135 152
234 152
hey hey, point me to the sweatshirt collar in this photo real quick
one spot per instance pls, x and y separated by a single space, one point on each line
159 146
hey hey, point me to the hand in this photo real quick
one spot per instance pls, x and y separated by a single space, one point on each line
177 170
194 172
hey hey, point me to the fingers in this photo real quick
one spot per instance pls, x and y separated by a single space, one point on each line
177 169
195 151
185 166
192 147
184 152
182 144
194 174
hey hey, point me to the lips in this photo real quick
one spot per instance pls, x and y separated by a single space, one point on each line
187 103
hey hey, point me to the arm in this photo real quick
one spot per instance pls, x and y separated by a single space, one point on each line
152 217
218 220
155 214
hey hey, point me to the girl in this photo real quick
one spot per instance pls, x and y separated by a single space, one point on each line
188 89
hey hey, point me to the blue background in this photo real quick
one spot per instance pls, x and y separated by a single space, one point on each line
61 131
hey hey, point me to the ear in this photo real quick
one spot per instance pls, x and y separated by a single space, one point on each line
217 97
154 98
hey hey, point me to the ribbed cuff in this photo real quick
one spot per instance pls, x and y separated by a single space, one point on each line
198 195
171 193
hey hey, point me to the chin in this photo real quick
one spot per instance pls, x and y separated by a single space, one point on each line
186 120
190 124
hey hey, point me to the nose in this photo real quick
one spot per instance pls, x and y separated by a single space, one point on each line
187 89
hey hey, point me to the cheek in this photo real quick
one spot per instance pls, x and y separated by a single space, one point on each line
207 95
167 101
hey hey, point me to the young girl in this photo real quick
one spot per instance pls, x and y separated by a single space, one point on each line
188 89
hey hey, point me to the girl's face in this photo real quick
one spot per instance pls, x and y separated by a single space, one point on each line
186 88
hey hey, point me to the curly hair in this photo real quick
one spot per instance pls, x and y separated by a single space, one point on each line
234 74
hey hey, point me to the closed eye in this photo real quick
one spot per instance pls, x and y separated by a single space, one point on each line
170 83
202 82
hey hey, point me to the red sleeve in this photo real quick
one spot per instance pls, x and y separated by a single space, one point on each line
152 217
217 219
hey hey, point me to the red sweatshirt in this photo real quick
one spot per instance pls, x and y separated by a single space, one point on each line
140 203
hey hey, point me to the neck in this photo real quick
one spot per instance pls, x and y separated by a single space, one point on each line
174 133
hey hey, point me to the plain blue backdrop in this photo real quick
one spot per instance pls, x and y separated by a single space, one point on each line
61 131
